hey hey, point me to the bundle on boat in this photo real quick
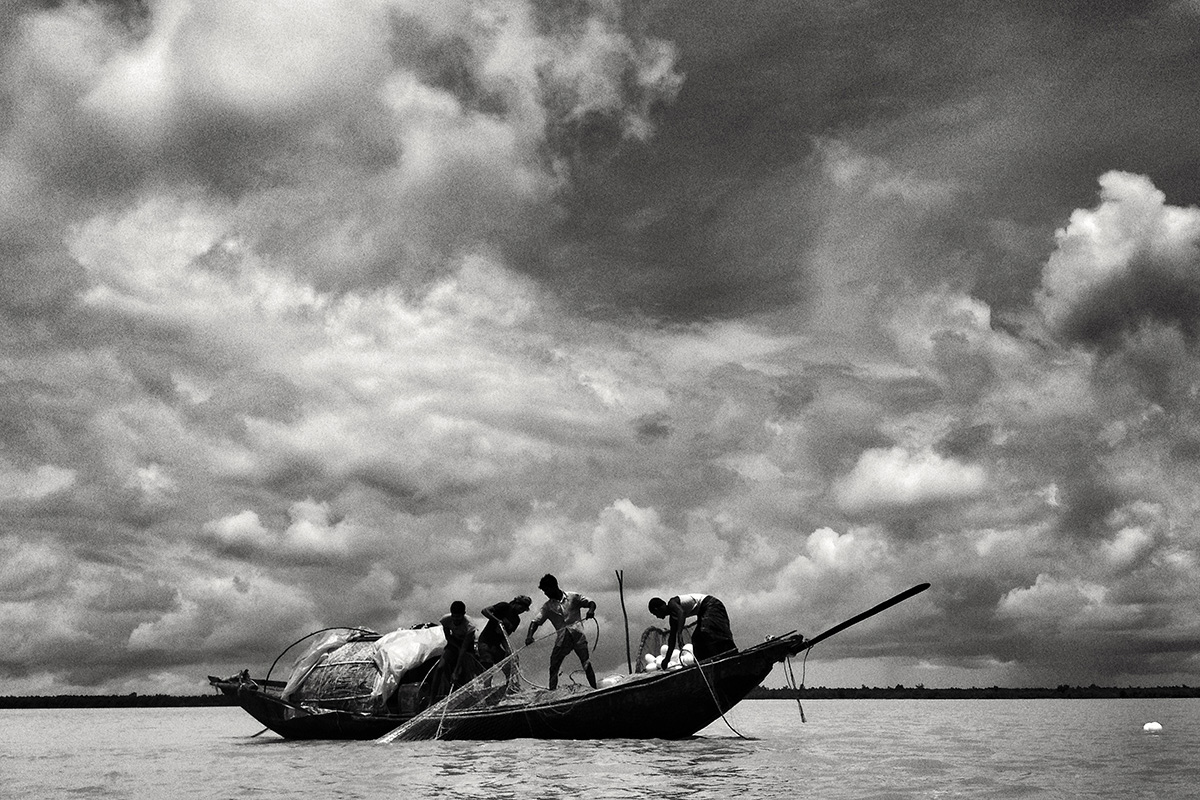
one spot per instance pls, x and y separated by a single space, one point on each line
361 671
653 647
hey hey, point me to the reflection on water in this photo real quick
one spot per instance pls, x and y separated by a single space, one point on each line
698 766
848 749
694 768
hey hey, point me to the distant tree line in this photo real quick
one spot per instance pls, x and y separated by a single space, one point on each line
920 692
133 700
897 692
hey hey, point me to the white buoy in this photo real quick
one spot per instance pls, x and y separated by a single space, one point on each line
1152 727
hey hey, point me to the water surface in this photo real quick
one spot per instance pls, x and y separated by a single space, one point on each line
862 749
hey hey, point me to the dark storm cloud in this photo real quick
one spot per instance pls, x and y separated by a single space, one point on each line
966 441
1017 106
1088 500
1152 290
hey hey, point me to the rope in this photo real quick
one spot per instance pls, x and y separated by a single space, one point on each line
421 685
593 650
718 703
521 675
442 717
791 680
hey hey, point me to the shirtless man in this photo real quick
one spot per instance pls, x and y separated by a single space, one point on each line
502 619
712 635
458 659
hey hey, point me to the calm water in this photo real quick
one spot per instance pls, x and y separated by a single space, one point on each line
879 749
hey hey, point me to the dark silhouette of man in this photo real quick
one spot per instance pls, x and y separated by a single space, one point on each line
712 635
562 610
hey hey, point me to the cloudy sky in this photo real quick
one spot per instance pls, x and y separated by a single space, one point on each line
327 312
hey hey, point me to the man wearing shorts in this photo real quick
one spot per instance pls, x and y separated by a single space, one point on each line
458 658
502 619
562 610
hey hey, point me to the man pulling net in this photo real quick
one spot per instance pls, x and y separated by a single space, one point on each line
487 690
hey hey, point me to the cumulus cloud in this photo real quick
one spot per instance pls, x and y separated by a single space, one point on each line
310 534
17 485
625 534
1127 547
31 570
232 65
1071 605
220 616
1130 261
895 478
242 528
814 581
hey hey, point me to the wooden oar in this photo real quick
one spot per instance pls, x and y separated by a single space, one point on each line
841 626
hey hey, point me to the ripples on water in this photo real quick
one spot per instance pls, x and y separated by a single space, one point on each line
861 749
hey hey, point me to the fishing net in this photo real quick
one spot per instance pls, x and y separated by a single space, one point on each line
344 679
495 685
502 685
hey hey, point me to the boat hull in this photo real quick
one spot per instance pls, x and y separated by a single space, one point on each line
662 705
295 722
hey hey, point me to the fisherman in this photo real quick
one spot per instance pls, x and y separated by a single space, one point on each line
502 620
562 609
712 635
458 660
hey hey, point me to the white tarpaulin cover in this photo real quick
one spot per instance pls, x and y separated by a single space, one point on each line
402 650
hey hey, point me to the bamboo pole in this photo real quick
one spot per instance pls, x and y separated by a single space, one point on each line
621 591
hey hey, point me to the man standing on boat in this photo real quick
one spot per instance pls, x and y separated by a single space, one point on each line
502 620
458 658
712 635
562 609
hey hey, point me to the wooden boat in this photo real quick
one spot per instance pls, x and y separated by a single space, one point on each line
670 704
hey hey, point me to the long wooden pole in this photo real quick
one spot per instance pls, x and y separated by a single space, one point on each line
621 591
870 612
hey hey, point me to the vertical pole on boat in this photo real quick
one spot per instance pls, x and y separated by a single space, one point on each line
621 591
